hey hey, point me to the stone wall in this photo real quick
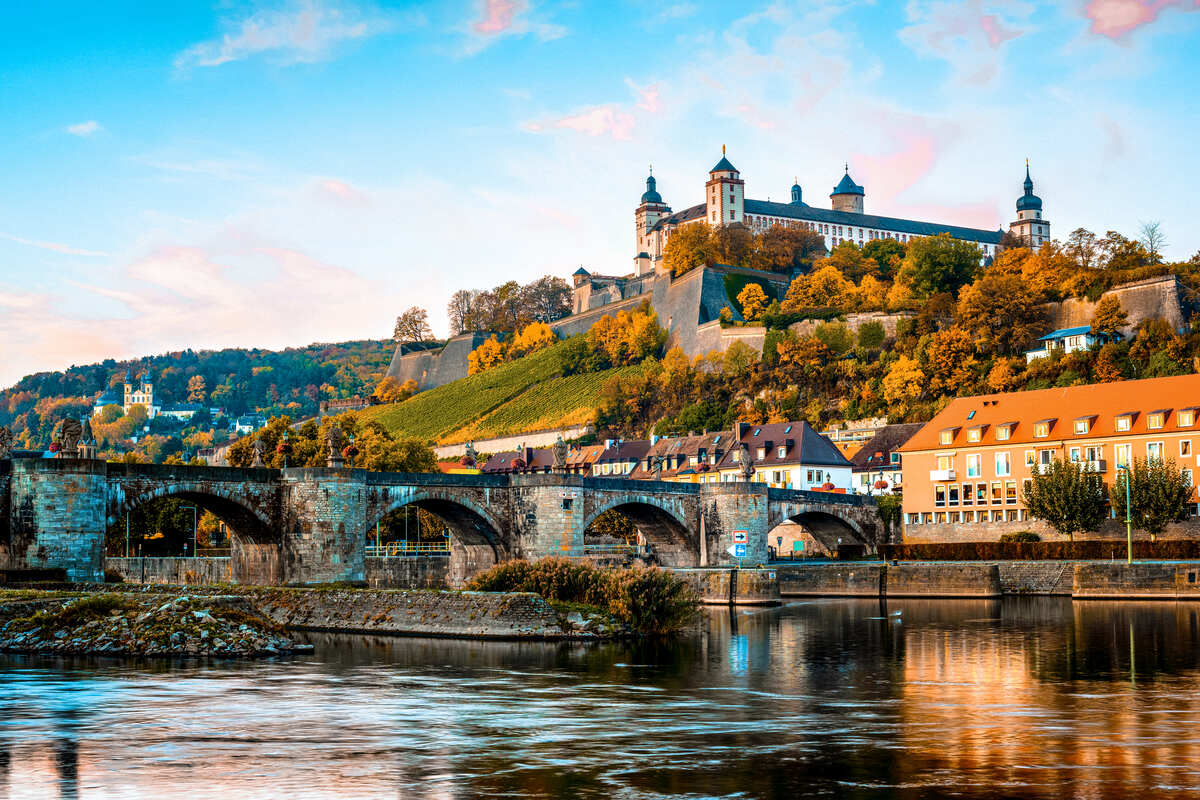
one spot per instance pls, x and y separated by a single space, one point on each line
1110 529
750 587
507 443
175 571
1036 577
1153 298
481 615
431 368
836 580
1137 580
324 530
807 327
942 580
407 573
56 517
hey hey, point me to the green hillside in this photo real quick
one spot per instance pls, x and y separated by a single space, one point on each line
523 395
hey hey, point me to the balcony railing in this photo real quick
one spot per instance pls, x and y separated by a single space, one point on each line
409 550
941 475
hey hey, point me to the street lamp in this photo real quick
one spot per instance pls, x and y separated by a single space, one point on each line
1128 515
194 525
286 437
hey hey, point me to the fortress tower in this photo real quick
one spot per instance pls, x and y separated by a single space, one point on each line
649 212
725 195
848 195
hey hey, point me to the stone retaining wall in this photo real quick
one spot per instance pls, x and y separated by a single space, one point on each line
1036 577
837 580
407 573
482 615
1157 581
754 587
942 580
175 571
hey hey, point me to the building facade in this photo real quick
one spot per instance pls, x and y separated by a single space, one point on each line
971 464
846 220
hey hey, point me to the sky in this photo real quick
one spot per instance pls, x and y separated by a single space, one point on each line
191 175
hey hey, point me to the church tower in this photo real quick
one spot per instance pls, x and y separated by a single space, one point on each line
649 212
848 195
796 201
1029 226
725 194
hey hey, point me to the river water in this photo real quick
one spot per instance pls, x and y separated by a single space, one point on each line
1025 697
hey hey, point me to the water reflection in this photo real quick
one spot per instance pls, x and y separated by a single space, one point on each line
1026 697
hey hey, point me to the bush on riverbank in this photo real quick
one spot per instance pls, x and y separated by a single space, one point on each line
647 599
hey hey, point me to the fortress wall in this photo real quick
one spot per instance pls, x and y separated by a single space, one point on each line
807 327
580 323
1159 297
432 368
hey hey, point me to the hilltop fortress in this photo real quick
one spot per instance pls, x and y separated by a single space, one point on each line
689 306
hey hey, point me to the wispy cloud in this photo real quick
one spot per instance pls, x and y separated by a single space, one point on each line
304 33
612 120
970 36
56 247
500 18
84 129
1117 18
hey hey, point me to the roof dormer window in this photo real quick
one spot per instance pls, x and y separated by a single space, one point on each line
1156 419
1004 432
946 436
1082 425
1041 428
1124 422
1186 417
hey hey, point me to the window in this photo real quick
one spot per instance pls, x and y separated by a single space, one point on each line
1010 493
1186 418
1041 429
1045 457
1030 458
1076 455
945 462
1187 477
1094 453
1027 485
1003 465
1124 422
1121 454
974 434
981 493
782 452
1082 425
939 496
895 458
946 436
968 494
973 468
567 503
1185 447
954 494
761 453
1154 451
997 493
809 476
1003 433
1155 421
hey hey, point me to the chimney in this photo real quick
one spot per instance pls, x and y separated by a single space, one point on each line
608 443
739 430
653 439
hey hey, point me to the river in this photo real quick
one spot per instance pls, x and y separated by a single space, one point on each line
1025 697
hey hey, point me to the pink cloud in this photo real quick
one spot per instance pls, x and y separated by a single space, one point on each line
498 16
890 175
969 35
341 192
600 121
55 247
1116 18
648 99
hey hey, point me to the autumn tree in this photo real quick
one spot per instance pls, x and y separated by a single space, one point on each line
941 263
786 248
1001 313
1159 492
688 247
731 244
1081 246
1120 253
949 361
753 301
1153 239
488 355
412 326
533 337
824 287
459 310
196 389
887 253
849 260
1109 318
1067 498
904 382
547 299
390 390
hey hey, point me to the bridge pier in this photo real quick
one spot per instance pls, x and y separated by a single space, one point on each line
323 525
732 507
56 517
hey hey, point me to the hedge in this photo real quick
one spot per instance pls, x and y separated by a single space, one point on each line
1094 549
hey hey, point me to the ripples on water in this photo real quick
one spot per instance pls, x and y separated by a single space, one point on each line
832 698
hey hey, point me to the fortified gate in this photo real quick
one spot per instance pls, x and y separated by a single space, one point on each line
308 525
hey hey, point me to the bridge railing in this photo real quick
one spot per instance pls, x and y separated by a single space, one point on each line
408 550
639 550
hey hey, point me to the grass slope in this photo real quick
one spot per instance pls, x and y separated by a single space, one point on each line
523 395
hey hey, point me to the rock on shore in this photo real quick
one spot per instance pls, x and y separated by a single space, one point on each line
142 625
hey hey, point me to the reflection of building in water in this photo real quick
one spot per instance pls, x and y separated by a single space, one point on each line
1012 701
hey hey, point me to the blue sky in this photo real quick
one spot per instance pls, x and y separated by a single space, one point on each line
211 175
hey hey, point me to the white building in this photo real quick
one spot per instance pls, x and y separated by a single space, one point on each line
725 203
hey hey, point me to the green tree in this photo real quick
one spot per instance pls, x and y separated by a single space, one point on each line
871 335
412 326
886 253
788 248
941 263
850 261
1158 494
1067 498
888 506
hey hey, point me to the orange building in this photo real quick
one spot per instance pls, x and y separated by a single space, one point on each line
969 465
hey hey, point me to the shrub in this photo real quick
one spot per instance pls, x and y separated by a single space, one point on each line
113 576
1020 536
647 599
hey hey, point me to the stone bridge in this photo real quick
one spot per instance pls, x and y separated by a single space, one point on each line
311 525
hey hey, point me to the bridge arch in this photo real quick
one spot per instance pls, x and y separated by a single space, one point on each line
670 538
477 536
256 546
824 523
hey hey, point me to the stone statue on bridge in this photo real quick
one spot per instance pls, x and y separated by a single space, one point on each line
6 441
70 432
470 456
335 442
258 454
560 454
746 462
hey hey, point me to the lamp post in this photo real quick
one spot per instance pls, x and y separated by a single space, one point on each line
1128 515
286 437
194 525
